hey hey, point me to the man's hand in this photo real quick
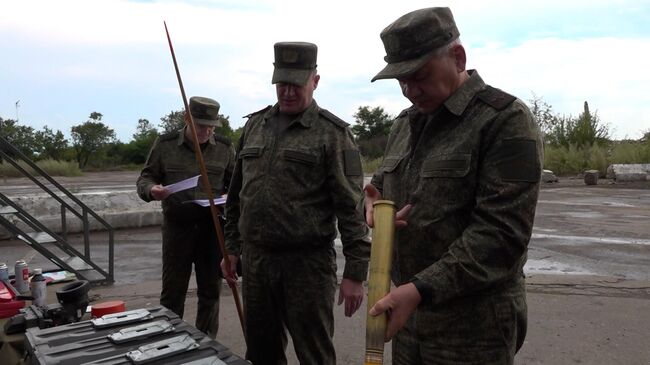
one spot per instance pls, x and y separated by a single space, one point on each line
158 192
398 304
371 196
351 292
230 273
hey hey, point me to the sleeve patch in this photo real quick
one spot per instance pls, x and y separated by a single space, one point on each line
517 160
352 162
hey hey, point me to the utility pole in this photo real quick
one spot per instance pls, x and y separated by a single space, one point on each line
17 105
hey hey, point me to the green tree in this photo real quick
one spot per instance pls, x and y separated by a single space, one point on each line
19 136
371 129
371 123
544 116
587 129
225 129
136 151
145 131
50 145
172 122
90 137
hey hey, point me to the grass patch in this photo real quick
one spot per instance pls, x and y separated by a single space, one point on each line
370 166
51 167
564 161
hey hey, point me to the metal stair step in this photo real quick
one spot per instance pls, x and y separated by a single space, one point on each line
40 237
77 263
6 209
91 275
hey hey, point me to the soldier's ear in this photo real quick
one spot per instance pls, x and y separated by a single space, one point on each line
458 52
315 79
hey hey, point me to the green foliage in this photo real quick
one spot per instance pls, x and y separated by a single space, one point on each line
19 136
89 138
371 130
51 167
574 160
236 135
225 129
587 129
370 166
631 152
544 116
50 145
173 121
136 151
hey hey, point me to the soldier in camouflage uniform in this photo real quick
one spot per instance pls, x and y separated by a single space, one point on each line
463 165
298 172
188 231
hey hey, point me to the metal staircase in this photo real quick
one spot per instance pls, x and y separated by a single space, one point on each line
56 247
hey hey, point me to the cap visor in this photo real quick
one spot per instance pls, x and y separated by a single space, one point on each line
401 69
291 76
210 122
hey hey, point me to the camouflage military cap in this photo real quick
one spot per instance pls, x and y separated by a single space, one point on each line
412 39
294 62
205 111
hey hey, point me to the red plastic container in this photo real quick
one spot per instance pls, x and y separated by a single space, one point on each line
100 309
9 306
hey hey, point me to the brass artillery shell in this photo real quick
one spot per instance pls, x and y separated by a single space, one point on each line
383 236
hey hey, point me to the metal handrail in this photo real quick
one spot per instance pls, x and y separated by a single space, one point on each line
85 210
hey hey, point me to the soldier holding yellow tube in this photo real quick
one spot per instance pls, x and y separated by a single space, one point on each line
462 166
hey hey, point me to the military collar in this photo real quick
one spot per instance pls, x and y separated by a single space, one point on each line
306 118
181 139
460 99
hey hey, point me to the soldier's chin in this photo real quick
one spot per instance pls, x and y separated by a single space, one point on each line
289 108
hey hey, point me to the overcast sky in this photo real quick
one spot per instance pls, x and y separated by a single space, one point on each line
64 59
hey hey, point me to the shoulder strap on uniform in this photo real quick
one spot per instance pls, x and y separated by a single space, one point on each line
333 118
223 139
258 112
496 98
169 136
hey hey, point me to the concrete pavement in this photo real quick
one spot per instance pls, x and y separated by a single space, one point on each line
588 277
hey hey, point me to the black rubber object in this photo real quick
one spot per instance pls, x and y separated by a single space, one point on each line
73 292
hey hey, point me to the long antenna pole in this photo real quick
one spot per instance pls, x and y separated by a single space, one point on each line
206 184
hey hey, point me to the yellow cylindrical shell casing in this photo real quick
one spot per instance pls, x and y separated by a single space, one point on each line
381 253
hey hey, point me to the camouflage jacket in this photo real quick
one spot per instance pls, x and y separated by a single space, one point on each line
471 170
172 159
290 187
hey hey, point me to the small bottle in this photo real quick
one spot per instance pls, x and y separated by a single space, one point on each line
21 276
39 291
4 271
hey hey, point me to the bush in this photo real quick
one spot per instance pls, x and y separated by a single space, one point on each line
51 167
371 165
574 160
630 152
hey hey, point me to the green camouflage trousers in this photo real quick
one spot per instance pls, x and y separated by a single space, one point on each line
184 244
292 290
481 330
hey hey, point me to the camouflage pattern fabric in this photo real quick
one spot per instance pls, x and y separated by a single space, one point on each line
471 170
188 231
290 187
293 289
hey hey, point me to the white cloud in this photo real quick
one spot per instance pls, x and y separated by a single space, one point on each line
113 53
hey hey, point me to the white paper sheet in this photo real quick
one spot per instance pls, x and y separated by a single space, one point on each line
206 203
182 185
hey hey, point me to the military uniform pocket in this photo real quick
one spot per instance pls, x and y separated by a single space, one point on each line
302 157
450 165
